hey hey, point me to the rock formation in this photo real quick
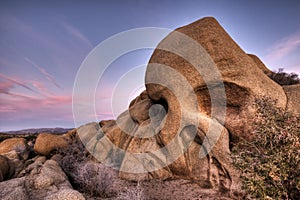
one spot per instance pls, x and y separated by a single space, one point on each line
199 99
44 147
14 147
175 128
243 79
44 180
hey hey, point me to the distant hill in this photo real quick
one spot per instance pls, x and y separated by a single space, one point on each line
39 130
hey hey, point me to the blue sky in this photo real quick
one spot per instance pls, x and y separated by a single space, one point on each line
42 45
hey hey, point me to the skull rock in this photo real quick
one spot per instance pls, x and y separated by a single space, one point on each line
200 86
242 78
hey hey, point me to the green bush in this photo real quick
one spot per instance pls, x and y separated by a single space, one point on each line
270 163
283 78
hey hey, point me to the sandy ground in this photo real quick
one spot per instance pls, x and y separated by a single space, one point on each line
169 190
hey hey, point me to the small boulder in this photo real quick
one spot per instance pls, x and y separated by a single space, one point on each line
46 143
6 168
15 148
32 164
50 174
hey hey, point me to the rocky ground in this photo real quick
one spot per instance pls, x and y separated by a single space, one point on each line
31 170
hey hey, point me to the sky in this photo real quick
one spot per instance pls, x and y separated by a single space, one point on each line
43 44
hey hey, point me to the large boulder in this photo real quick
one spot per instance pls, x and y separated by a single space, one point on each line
243 80
46 143
200 91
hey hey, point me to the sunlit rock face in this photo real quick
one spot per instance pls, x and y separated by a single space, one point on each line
200 90
293 96
242 78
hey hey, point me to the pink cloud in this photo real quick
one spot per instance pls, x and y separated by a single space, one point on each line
40 87
20 96
58 100
26 107
48 76
42 104
5 86
16 82
283 47
7 109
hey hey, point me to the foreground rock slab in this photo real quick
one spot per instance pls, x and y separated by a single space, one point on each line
42 181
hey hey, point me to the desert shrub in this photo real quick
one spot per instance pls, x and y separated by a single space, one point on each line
85 175
283 78
95 179
270 163
71 157
136 193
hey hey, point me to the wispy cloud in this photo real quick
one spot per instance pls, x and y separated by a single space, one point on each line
6 86
14 81
76 33
283 47
52 105
40 87
43 71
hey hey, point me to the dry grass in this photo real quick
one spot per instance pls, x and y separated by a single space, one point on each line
86 176
270 164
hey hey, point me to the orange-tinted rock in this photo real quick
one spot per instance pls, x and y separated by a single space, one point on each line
260 64
17 146
46 143
241 76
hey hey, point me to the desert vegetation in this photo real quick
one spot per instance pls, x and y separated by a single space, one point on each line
284 78
86 176
270 163
93 178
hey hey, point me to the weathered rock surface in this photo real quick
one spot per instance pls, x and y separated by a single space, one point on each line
170 130
6 169
243 79
260 64
66 194
293 98
14 148
14 189
47 143
44 179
